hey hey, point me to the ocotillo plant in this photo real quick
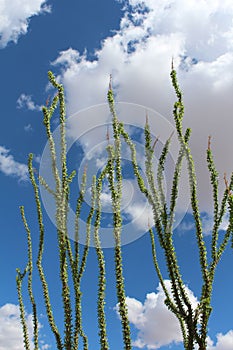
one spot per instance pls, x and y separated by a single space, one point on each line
193 320
69 257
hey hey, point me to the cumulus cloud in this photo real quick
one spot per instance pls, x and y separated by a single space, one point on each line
25 101
198 35
15 17
10 167
157 326
224 342
141 214
11 334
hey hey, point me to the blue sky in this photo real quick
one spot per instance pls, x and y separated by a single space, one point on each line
82 43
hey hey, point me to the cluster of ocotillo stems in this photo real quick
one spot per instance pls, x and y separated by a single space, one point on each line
193 321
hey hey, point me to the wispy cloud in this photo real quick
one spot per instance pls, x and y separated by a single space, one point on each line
15 17
28 127
10 167
207 224
25 101
37 158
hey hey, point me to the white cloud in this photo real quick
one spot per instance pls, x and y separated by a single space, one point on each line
45 347
198 35
207 224
105 198
37 158
10 167
224 342
68 57
141 214
25 101
126 200
186 226
15 17
157 325
11 334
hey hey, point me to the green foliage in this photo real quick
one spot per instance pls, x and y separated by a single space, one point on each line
193 321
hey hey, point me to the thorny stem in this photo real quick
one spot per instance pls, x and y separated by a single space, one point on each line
193 322
115 174
40 255
101 262
30 269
